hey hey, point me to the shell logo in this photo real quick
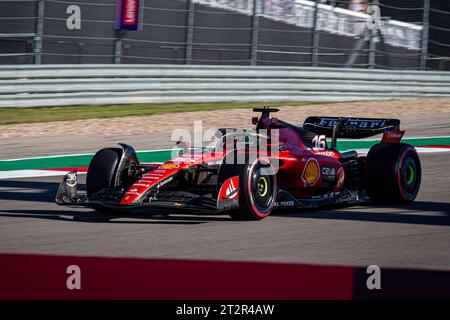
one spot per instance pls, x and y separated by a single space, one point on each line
169 165
311 172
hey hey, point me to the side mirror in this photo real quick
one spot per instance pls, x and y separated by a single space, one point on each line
185 145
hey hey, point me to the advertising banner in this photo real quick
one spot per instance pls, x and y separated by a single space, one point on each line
128 14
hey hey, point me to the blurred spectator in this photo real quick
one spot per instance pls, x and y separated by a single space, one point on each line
232 3
277 7
288 7
334 3
328 2
358 5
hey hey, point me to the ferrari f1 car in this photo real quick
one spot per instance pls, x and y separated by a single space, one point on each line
248 173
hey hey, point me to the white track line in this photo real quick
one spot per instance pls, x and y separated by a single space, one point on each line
76 155
363 152
14 174
432 149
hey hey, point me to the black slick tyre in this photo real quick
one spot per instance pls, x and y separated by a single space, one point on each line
257 191
392 173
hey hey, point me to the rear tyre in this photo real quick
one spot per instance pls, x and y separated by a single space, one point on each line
392 173
258 191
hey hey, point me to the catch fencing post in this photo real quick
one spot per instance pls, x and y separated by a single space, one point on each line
118 47
425 30
190 31
373 34
316 37
37 40
255 27
374 37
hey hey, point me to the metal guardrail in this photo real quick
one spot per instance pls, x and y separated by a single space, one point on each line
59 85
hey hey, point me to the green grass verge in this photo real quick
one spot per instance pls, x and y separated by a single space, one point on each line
66 113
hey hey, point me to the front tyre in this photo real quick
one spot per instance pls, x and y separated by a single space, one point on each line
102 170
258 190
114 169
392 173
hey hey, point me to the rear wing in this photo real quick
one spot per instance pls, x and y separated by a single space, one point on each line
351 128
354 128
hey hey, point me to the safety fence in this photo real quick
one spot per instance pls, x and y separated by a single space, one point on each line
321 33
58 85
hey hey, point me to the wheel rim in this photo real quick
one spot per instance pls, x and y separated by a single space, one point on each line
262 187
409 176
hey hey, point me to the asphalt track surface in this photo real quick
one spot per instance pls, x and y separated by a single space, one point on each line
416 236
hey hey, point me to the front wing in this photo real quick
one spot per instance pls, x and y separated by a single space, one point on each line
69 195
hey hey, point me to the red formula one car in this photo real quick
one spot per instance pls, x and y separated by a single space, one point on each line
248 173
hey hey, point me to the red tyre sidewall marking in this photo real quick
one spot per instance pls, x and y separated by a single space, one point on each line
255 209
